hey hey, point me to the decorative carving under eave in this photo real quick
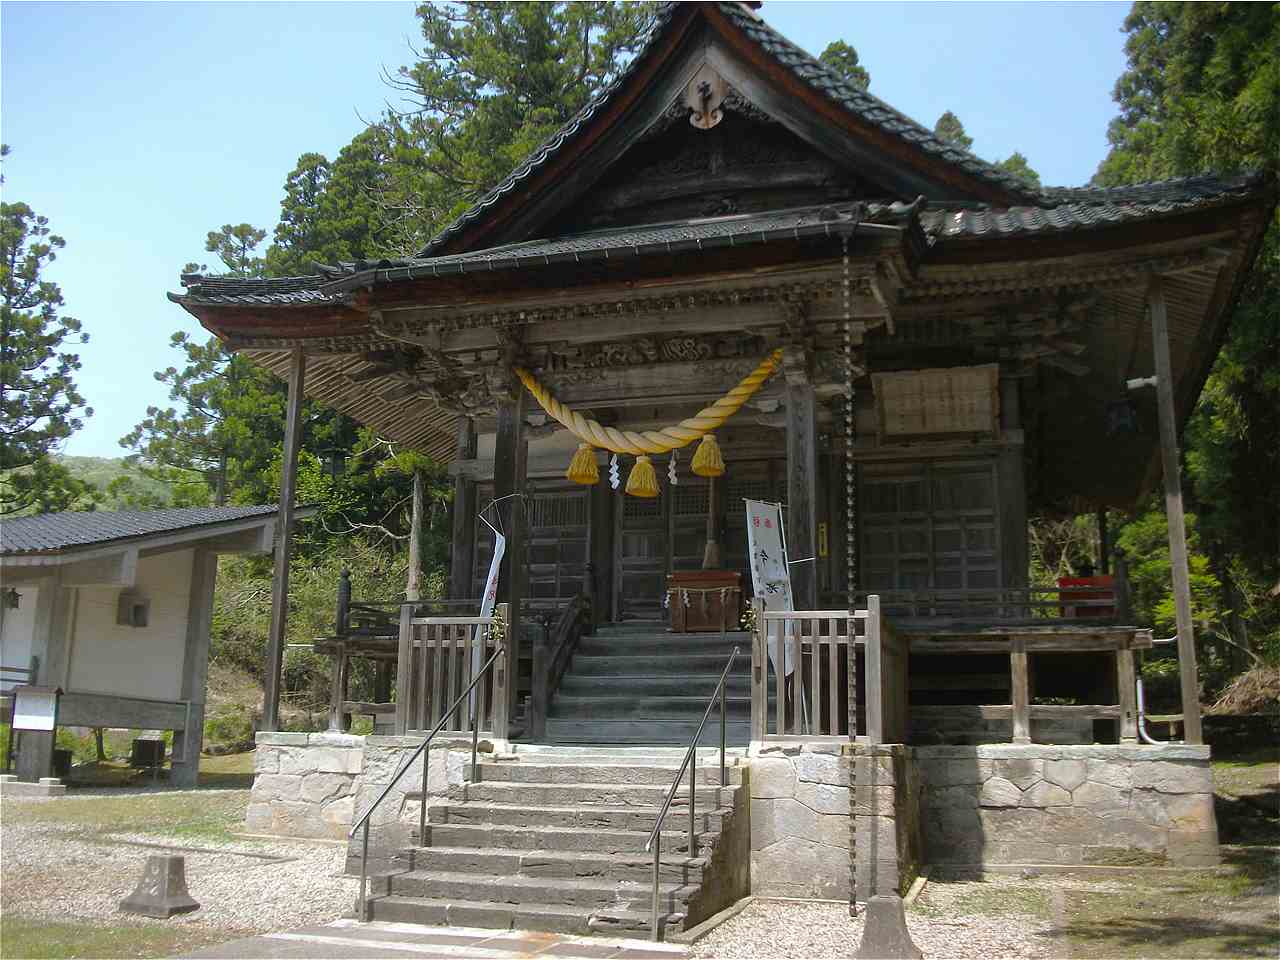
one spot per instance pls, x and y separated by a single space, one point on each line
566 358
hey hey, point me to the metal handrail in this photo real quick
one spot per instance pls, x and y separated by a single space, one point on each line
655 836
421 749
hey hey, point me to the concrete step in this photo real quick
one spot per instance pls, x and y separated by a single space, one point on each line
530 771
671 684
560 822
576 891
630 665
590 794
674 867
668 644
626 707
552 918
597 839
643 731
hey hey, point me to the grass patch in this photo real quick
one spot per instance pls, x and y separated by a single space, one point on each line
29 938
988 899
1210 913
200 815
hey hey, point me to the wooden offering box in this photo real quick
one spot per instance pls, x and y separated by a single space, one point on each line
704 600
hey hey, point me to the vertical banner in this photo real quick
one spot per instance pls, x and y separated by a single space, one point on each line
770 577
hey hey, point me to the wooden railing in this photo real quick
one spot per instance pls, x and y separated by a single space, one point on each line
817 699
437 659
997 605
552 653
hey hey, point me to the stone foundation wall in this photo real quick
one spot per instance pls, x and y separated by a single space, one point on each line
1040 804
304 784
885 819
799 821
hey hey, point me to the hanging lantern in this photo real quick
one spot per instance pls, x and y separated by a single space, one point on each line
583 468
642 481
707 461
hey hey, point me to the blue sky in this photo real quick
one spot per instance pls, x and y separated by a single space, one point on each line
137 128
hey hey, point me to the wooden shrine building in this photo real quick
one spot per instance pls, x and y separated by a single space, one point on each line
960 340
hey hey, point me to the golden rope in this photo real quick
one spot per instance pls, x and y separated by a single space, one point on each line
652 441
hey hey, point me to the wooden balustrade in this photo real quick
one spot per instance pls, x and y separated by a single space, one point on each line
552 652
438 657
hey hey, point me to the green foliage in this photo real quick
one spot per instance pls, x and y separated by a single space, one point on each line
231 725
40 405
1017 164
235 246
494 80
843 58
1202 93
950 129
1145 544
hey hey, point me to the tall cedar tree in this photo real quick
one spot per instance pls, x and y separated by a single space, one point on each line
844 58
950 129
40 405
1202 93
494 80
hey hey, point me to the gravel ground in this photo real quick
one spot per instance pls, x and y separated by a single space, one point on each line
61 871
781 929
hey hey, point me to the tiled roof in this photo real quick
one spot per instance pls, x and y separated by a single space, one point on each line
1085 208
285 291
52 532
813 72
1062 210
699 234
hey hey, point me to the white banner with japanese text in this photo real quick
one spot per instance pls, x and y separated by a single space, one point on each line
770 577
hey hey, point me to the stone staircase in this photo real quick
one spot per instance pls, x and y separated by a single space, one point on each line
553 840
636 683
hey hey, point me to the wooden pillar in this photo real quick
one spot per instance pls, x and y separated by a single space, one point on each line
1173 511
600 550
463 556
413 586
1104 543
1126 685
802 493
1012 486
1020 682
188 743
510 456
284 542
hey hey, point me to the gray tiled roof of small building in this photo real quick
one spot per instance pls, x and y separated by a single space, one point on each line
51 532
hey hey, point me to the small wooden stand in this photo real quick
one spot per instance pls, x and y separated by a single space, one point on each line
704 600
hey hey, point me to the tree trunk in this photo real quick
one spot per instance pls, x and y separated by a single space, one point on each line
413 591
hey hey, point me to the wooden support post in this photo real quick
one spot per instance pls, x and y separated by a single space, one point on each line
1020 682
338 689
195 668
759 674
1124 606
509 458
342 615
540 691
284 542
1173 511
1126 686
875 668
404 671
463 555
802 493
1104 543
413 588
1012 487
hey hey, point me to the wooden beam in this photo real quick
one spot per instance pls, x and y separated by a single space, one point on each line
1020 687
802 492
511 452
1173 511
462 556
284 541
195 667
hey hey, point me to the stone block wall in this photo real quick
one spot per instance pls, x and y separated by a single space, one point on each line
304 784
1073 805
799 821
885 819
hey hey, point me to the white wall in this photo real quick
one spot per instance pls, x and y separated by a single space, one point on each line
16 633
134 661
